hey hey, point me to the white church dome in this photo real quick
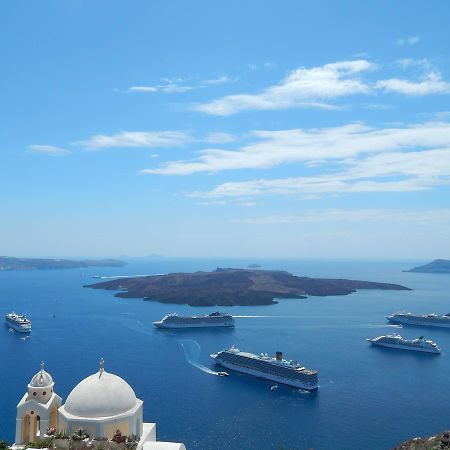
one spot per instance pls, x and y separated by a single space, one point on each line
102 394
41 379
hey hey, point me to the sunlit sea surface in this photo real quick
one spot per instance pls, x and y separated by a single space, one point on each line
369 398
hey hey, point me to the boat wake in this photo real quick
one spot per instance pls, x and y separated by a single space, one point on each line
127 276
135 325
192 351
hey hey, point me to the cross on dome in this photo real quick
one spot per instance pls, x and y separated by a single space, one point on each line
102 367
42 366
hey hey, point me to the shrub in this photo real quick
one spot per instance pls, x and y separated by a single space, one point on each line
41 443
79 435
118 437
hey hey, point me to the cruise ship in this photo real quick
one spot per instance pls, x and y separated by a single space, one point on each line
396 341
264 366
18 322
215 319
431 320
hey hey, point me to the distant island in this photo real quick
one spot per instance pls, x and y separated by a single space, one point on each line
228 287
436 266
8 263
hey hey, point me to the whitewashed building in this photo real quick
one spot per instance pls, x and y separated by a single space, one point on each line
100 404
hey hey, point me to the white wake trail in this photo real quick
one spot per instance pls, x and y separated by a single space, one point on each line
192 351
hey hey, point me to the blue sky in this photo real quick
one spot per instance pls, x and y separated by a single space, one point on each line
259 128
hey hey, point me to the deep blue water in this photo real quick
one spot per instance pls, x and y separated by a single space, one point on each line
368 398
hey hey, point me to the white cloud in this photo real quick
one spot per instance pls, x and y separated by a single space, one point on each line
386 172
178 85
432 83
144 139
168 88
143 89
48 150
311 147
220 80
406 63
418 217
412 40
219 138
302 87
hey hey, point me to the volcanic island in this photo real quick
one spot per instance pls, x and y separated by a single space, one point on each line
228 287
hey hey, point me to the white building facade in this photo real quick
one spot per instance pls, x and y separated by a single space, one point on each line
100 404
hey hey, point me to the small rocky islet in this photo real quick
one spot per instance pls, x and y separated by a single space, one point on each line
228 287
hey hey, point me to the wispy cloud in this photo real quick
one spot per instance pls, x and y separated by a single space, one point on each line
418 217
432 83
302 87
180 85
389 172
219 138
311 147
220 80
136 139
412 40
48 150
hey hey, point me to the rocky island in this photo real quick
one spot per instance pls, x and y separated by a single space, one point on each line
9 263
227 287
436 266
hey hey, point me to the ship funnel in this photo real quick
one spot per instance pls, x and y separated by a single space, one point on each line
279 356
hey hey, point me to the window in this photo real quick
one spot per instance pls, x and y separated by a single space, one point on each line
34 393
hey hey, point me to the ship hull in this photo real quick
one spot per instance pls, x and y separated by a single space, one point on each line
405 347
417 322
193 325
266 376
17 327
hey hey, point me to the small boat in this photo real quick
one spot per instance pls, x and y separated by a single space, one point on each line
222 374
274 387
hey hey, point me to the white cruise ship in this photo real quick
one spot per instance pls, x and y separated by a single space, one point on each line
18 322
215 319
263 366
396 341
431 320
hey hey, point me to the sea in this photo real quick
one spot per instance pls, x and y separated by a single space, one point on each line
369 398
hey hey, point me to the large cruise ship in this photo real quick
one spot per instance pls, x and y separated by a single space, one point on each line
18 322
263 366
215 319
396 341
431 320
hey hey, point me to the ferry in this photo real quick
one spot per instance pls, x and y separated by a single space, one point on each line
215 319
264 366
430 320
396 341
18 322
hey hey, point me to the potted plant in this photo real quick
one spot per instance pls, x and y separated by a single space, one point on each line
132 442
79 439
99 443
118 441
61 440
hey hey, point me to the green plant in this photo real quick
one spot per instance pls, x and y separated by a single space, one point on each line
132 441
62 434
3 445
41 443
118 437
79 435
